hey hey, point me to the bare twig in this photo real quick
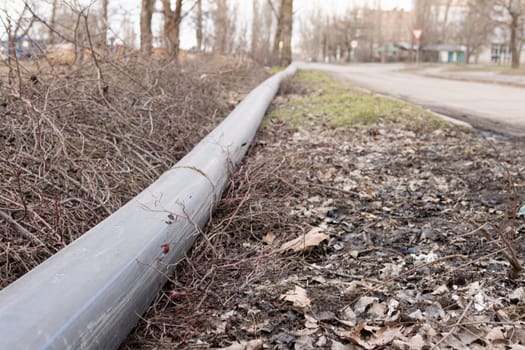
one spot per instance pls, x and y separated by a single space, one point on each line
69 158
454 327
25 233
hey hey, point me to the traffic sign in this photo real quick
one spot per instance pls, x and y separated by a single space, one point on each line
417 33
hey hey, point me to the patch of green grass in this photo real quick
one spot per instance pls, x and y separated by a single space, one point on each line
329 100
275 69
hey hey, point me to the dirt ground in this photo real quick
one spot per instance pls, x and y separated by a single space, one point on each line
389 236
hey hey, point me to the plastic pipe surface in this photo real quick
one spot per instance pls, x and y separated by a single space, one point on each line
90 294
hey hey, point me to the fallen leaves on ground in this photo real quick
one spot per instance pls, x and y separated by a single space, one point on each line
396 259
298 297
303 243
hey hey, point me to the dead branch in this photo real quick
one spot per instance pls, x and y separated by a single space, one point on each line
69 158
25 233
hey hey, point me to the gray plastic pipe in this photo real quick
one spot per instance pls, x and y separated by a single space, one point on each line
90 294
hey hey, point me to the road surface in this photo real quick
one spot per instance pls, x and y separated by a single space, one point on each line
491 107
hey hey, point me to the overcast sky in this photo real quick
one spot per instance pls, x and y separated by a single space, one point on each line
130 9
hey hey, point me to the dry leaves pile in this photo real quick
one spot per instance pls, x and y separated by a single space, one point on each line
74 148
378 238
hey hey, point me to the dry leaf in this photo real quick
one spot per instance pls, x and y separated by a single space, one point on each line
255 328
377 311
502 316
348 317
304 343
413 343
302 243
251 345
518 296
304 332
298 297
442 289
453 342
340 346
495 334
321 342
416 342
370 337
269 238
363 303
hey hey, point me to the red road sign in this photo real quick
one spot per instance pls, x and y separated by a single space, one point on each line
417 33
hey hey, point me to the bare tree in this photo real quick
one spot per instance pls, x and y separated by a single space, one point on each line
476 27
282 45
349 29
426 20
515 10
105 24
146 37
255 27
172 20
229 35
330 38
199 25
444 33
265 35
80 38
221 26
128 33
16 28
263 24
286 32
52 23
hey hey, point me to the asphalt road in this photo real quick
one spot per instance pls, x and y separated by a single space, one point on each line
491 107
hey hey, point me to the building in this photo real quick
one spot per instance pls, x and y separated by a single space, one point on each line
443 22
381 32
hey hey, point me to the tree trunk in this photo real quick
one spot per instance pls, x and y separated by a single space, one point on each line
282 45
199 25
146 37
278 35
105 25
444 36
79 40
265 35
221 26
52 23
286 33
172 21
79 49
11 52
514 45
255 27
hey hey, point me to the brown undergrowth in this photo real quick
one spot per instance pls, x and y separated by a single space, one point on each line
405 264
77 143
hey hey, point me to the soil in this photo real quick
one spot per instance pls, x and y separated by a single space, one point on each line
404 239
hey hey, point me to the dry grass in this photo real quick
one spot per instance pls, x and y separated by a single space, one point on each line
77 143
